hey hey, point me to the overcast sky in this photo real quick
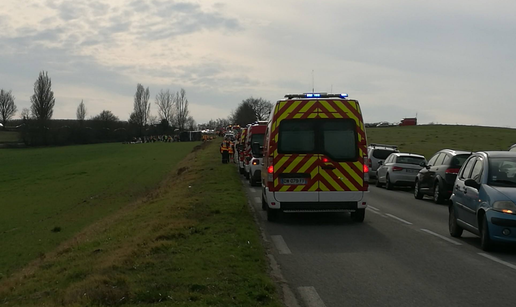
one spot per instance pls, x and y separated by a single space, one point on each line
447 61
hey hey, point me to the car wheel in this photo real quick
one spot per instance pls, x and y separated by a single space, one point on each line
358 216
378 183
417 191
485 240
264 203
438 196
388 183
453 227
273 214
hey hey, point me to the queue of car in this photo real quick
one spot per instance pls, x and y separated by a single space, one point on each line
480 187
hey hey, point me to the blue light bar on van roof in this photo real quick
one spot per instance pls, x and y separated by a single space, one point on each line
316 95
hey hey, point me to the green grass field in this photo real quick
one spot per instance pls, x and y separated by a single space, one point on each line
427 140
50 194
190 240
9 137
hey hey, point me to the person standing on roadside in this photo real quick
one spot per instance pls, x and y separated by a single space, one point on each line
224 151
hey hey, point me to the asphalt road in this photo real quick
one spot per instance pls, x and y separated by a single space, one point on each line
402 255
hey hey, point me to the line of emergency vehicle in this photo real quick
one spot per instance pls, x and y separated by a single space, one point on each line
311 156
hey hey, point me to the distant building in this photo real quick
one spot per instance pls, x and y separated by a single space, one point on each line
410 121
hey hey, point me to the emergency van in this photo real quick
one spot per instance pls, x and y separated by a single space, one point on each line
254 152
241 150
315 156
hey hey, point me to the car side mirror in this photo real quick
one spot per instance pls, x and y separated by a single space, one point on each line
380 162
472 184
248 158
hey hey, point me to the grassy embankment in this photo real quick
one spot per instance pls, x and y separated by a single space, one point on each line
100 228
427 140
9 137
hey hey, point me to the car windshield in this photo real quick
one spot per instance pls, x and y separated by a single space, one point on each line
458 160
382 153
502 171
410 160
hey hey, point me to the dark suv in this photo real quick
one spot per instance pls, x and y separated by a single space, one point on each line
437 177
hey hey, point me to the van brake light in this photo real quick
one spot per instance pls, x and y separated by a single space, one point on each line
325 160
366 168
270 169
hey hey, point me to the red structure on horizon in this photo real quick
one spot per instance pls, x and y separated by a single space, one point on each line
410 121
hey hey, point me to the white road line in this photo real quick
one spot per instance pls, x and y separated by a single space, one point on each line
500 261
311 297
257 200
374 208
253 190
399 219
376 212
442 237
281 246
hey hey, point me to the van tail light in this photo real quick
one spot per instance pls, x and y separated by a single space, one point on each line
325 160
270 173
366 174
397 168
452 171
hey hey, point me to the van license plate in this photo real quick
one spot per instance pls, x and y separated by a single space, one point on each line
293 181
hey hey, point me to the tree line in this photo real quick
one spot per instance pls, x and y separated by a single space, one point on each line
38 128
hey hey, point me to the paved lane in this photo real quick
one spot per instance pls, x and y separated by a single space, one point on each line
401 255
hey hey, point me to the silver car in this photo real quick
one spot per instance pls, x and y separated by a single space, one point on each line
377 153
399 169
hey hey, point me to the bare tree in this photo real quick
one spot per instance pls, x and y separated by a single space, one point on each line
153 120
140 115
43 100
244 114
81 112
25 113
181 103
190 123
262 108
7 107
105 116
165 103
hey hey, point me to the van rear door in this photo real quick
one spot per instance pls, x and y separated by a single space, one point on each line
296 163
343 146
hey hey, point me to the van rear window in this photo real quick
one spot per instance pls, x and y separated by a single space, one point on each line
336 138
297 136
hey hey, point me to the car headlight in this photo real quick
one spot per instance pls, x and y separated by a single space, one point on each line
505 206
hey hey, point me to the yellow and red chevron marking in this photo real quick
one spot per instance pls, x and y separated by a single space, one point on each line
346 176
302 109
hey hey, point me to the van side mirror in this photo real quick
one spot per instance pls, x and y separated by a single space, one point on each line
472 184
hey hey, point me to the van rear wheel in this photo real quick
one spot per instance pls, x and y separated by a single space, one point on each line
358 216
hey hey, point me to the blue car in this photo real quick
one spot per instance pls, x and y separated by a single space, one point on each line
484 198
